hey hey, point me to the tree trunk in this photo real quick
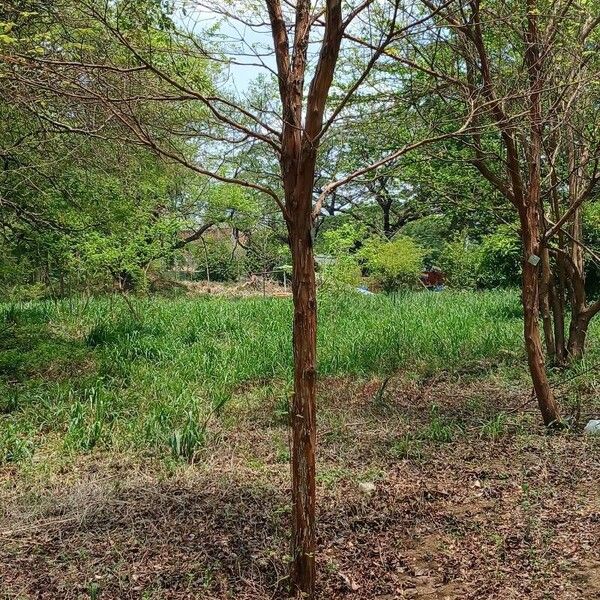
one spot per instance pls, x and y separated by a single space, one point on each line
533 344
558 311
387 225
545 294
580 312
558 288
558 318
529 216
303 417
577 334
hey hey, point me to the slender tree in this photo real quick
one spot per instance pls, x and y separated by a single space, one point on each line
512 64
117 59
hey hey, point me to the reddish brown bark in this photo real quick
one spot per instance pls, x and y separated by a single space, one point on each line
299 144
577 335
522 186
530 298
545 304
303 415
535 260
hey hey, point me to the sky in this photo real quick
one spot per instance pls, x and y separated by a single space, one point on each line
235 37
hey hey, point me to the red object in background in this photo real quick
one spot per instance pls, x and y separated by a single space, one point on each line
433 278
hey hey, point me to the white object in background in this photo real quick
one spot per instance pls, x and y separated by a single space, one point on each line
363 290
593 427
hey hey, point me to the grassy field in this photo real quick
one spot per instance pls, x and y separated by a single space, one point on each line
143 451
79 374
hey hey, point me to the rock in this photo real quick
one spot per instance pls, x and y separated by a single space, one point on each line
367 487
593 427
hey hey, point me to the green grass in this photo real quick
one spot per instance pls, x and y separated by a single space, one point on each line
79 375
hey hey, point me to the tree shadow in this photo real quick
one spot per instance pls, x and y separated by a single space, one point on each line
30 348
165 540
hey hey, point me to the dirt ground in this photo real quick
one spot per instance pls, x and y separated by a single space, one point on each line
455 507
254 286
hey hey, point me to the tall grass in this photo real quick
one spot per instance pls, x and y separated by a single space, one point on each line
78 374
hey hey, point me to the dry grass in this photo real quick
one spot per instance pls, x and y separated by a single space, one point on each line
498 511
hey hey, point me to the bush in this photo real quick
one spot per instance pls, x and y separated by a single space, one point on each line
344 272
341 240
460 261
219 257
24 292
393 264
500 260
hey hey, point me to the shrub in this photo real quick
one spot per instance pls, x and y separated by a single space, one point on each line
341 240
25 292
344 272
218 256
500 261
394 264
460 262
340 243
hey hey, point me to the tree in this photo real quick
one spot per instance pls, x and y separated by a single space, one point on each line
117 62
510 64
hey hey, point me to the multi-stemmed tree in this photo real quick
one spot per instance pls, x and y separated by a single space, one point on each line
529 72
116 63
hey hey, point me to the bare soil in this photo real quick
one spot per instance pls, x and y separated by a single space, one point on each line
253 286
504 514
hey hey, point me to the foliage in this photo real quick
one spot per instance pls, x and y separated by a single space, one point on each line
591 232
430 232
394 264
460 261
343 273
215 257
265 251
342 240
500 264
340 244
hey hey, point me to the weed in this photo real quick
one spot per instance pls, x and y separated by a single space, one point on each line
8 401
282 451
14 447
173 357
379 399
475 405
282 411
185 442
331 476
94 591
439 429
407 447
496 427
